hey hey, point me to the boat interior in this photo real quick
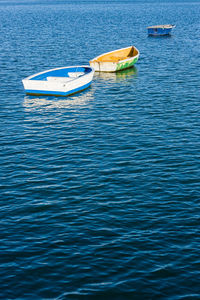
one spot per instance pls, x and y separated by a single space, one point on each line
118 55
162 26
66 74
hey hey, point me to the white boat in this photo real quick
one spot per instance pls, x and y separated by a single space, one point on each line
60 81
116 60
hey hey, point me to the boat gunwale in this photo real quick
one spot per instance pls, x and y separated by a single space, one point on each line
60 68
95 59
167 26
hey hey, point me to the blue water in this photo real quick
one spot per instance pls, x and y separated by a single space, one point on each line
100 191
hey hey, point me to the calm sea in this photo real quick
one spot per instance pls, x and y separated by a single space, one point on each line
100 191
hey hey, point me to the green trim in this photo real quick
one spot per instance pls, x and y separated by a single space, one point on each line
126 64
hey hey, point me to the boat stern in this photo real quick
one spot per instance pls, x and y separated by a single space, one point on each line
103 66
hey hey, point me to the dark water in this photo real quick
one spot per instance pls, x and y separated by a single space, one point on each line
100 191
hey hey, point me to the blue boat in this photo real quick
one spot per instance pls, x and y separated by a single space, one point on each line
159 30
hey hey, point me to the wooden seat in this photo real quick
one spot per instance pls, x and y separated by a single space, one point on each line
60 79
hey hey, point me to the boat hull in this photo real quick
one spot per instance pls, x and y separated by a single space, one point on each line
160 30
43 91
114 66
57 86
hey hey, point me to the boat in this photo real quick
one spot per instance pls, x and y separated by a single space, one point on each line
159 30
116 60
60 81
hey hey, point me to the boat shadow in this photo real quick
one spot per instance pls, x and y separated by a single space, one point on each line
167 36
51 102
117 76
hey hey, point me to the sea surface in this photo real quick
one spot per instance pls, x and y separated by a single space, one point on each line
100 191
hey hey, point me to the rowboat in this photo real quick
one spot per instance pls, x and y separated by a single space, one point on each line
60 81
158 30
116 60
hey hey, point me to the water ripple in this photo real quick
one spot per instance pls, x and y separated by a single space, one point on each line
100 190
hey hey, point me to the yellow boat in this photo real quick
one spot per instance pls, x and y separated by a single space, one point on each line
116 60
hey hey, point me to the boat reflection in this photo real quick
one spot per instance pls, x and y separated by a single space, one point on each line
167 36
117 76
46 103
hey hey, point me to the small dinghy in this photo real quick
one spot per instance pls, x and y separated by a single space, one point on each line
158 30
116 60
59 82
